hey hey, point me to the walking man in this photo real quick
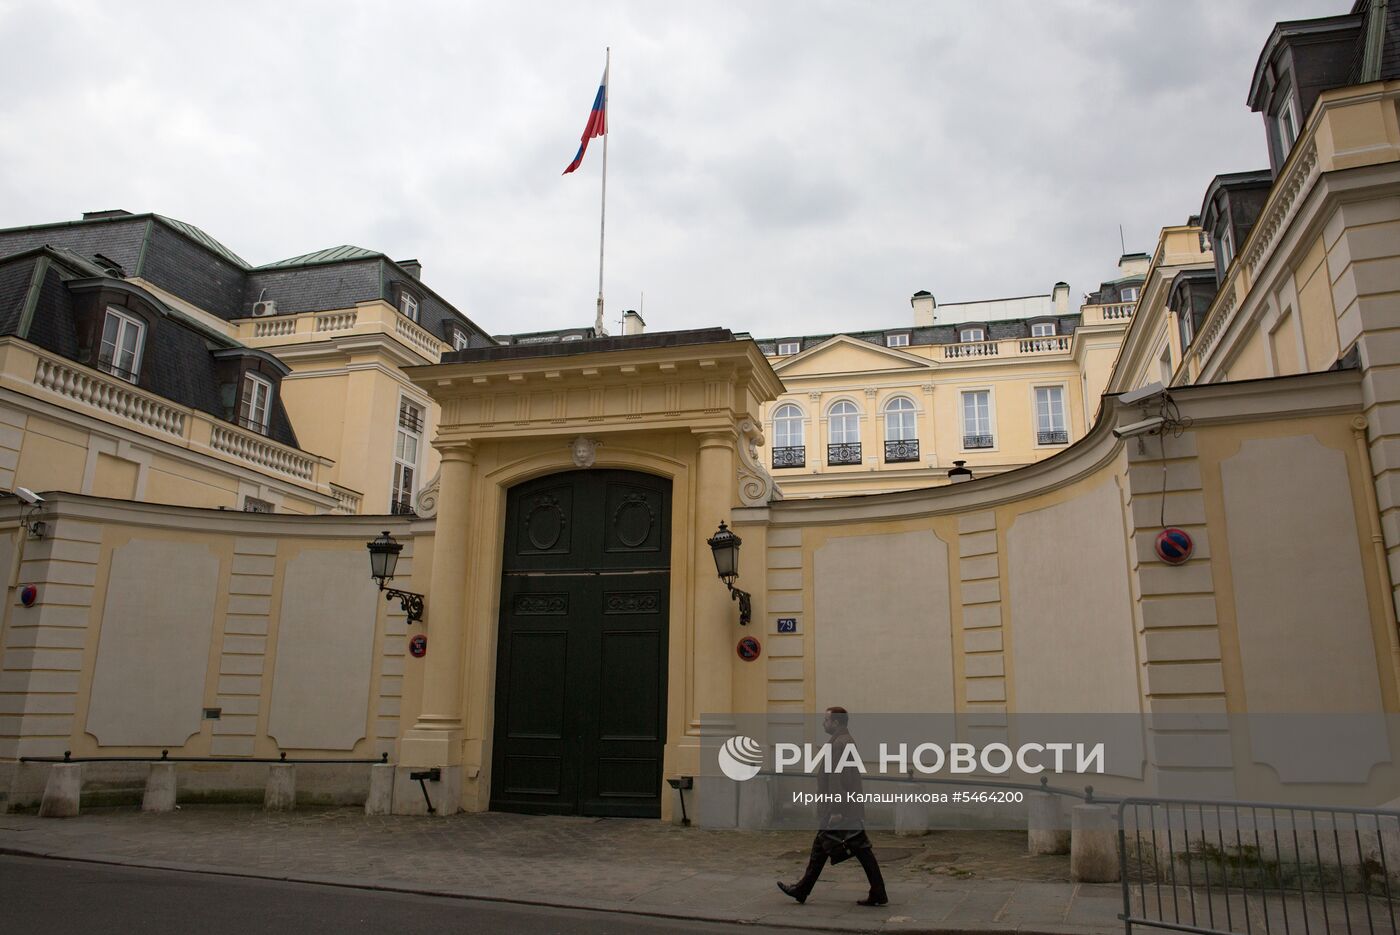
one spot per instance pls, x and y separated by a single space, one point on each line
841 831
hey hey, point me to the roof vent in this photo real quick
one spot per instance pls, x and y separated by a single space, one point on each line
111 213
264 307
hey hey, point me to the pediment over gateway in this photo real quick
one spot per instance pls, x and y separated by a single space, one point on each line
843 354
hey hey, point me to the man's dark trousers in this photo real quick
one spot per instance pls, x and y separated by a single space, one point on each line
827 845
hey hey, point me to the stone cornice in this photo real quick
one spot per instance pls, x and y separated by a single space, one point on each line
61 505
688 387
601 367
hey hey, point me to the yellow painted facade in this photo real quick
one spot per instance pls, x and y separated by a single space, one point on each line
933 379
1035 588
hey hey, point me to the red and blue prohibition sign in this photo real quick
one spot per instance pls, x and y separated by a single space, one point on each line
1173 545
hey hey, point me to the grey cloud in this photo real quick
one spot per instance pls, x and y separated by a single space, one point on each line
777 167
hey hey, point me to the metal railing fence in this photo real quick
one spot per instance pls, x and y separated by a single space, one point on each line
1219 868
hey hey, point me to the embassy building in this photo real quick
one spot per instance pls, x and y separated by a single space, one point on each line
983 513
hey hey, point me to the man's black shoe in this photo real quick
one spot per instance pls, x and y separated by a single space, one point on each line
881 900
792 890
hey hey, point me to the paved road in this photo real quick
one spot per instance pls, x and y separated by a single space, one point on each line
61 897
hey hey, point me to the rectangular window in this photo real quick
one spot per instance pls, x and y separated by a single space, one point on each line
1165 365
977 419
1187 327
120 354
408 304
972 334
1129 294
407 441
897 340
255 403
1050 416
1287 125
1043 329
788 347
1225 247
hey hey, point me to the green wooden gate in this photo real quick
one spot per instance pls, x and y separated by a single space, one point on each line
581 660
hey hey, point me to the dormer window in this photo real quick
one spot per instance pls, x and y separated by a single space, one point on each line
788 347
897 340
122 338
408 304
1043 329
460 340
1128 294
1288 124
1224 249
255 402
968 335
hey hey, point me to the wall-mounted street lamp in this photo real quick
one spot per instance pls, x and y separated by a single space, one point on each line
383 558
725 546
958 473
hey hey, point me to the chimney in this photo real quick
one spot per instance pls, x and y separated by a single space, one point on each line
412 267
1061 296
923 304
632 323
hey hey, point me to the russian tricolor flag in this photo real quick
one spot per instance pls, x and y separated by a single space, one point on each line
597 122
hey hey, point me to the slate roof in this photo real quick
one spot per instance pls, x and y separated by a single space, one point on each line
328 255
177 361
185 261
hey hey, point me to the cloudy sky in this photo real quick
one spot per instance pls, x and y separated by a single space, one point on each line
774 167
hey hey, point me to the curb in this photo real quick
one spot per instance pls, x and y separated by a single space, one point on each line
580 905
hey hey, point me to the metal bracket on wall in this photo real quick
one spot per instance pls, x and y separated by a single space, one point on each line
431 775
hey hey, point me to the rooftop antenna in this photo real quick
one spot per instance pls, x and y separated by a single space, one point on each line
1122 244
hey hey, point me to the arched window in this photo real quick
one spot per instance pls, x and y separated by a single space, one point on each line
788 450
787 427
901 435
899 419
843 423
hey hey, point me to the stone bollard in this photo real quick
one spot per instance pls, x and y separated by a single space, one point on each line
910 818
281 793
756 804
62 791
1045 826
380 800
1093 850
160 789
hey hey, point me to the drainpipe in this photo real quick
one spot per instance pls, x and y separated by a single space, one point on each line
1373 516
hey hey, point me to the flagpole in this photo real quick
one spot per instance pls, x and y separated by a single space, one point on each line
603 211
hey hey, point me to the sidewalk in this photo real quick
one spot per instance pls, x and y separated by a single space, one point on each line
944 882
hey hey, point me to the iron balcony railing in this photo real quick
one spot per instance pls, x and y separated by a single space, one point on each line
843 453
107 364
791 456
906 449
401 507
251 424
411 419
978 441
1055 437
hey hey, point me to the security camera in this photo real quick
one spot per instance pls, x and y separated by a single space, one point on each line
1141 395
1145 427
28 497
